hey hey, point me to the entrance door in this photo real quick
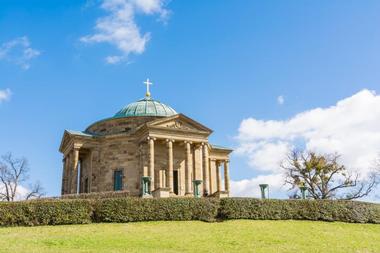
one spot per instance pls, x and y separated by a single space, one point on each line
118 180
175 181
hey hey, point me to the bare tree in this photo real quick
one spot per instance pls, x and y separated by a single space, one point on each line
377 172
324 177
13 173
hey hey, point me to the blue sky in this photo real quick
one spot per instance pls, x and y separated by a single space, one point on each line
219 62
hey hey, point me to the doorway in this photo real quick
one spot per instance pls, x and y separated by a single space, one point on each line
175 181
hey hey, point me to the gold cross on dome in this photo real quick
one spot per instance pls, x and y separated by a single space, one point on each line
148 83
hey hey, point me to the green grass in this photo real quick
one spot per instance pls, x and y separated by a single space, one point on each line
194 236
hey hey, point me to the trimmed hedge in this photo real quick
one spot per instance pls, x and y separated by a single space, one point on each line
80 211
138 209
324 210
49 212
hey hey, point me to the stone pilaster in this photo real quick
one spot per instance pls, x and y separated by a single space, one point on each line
226 176
205 159
169 174
188 168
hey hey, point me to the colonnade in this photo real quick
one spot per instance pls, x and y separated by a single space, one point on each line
195 169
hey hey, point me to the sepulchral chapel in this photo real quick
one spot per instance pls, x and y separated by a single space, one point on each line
147 149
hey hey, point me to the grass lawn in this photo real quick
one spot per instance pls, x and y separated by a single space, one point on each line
194 236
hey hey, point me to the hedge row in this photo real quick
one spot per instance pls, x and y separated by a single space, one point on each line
324 210
49 212
80 211
137 209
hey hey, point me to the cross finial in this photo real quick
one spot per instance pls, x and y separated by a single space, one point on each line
148 83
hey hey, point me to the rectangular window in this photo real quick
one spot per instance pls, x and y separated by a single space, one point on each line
118 180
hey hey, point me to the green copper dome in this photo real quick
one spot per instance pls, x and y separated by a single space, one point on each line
146 107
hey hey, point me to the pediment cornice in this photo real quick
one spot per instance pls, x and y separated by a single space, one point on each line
179 123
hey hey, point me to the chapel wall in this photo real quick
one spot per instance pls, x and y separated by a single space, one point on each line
118 154
126 125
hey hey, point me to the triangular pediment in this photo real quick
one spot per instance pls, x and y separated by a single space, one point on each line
65 140
68 135
180 122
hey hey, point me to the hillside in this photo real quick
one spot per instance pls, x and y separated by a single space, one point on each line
195 236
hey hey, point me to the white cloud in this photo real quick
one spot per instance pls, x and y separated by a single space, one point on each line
250 187
18 51
5 95
280 100
119 27
350 128
21 192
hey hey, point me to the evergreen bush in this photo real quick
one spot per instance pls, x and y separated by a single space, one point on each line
324 210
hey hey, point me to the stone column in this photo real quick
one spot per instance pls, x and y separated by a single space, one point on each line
210 178
75 171
151 163
169 174
89 175
163 179
69 173
188 168
198 162
206 187
218 177
226 176
64 177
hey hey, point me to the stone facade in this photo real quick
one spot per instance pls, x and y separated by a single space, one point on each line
172 151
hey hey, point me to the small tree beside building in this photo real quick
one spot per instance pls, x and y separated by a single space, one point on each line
14 174
325 177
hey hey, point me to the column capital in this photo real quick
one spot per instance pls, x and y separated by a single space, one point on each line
151 138
170 140
198 144
77 146
188 142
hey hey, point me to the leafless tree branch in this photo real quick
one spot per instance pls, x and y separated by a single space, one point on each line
324 177
14 172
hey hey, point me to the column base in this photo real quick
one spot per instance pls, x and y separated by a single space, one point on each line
161 193
189 194
172 194
220 194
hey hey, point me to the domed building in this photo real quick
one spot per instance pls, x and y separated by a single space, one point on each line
147 149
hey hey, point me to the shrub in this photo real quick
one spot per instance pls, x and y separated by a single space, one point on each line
137 209
79 211
325 210
48 212
97 195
